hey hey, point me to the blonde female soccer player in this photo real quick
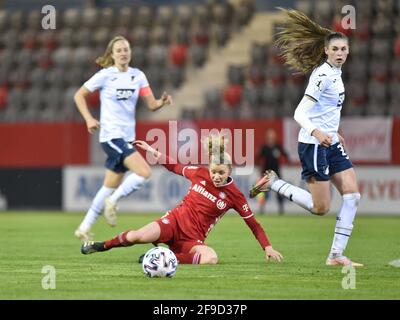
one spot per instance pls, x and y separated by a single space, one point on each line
184 229
120 88
307 47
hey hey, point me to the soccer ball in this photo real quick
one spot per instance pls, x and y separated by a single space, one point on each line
159 262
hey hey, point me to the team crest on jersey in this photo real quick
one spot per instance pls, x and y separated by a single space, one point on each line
222 195
165 221
221 204
124 94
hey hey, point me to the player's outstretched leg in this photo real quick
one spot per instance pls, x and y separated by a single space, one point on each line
264 184
89 247
271 181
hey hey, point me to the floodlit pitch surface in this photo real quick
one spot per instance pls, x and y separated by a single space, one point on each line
40 259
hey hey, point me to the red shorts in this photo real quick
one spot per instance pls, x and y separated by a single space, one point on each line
172 236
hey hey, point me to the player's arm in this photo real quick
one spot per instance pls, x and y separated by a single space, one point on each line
92 124
152 103
258 231
163 159
301 117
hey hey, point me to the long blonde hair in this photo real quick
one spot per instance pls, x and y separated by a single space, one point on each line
302 41
215 144
106 60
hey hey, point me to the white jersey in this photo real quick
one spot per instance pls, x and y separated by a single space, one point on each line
326 87
119 93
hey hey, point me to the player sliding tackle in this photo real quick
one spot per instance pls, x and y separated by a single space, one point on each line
308 47
184 229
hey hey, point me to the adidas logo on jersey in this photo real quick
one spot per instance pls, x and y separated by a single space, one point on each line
203 182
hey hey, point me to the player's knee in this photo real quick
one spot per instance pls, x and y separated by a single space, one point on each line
131 236
145 173
321 210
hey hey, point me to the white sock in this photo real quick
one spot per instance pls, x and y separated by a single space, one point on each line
96 208
298 195
130 184
344 223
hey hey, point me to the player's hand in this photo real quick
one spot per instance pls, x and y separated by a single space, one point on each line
166 99
324 139
92 125
141 144
273 254
145 146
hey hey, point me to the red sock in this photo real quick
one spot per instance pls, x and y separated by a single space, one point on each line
188 258
118 241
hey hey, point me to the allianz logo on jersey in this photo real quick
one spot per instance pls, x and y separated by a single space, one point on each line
200 189
124 94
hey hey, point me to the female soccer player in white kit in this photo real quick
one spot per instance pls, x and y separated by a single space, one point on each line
120 87
308 47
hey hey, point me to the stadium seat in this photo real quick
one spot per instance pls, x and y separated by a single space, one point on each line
157 55
165 16
212 98
145 16
252 95
17 20
174 75
7 58
3 97
197 55
47 39
232 95
380 48
107 17
90 17
379 70
139 57
4 18
55 77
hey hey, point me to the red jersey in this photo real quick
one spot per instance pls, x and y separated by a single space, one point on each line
205 204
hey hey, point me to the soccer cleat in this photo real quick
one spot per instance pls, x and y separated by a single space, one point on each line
83 235
110 212
264 184
91 247
342 261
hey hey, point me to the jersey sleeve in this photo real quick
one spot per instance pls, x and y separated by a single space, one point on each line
243 208
96 81
189 172
317 84
144 87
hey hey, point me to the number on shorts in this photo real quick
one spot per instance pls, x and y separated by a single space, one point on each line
344 154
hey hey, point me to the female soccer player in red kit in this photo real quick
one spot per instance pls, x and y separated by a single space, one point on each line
185 228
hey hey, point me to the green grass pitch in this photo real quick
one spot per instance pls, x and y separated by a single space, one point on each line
31 240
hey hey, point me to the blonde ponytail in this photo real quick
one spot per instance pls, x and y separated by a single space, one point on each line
216 150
